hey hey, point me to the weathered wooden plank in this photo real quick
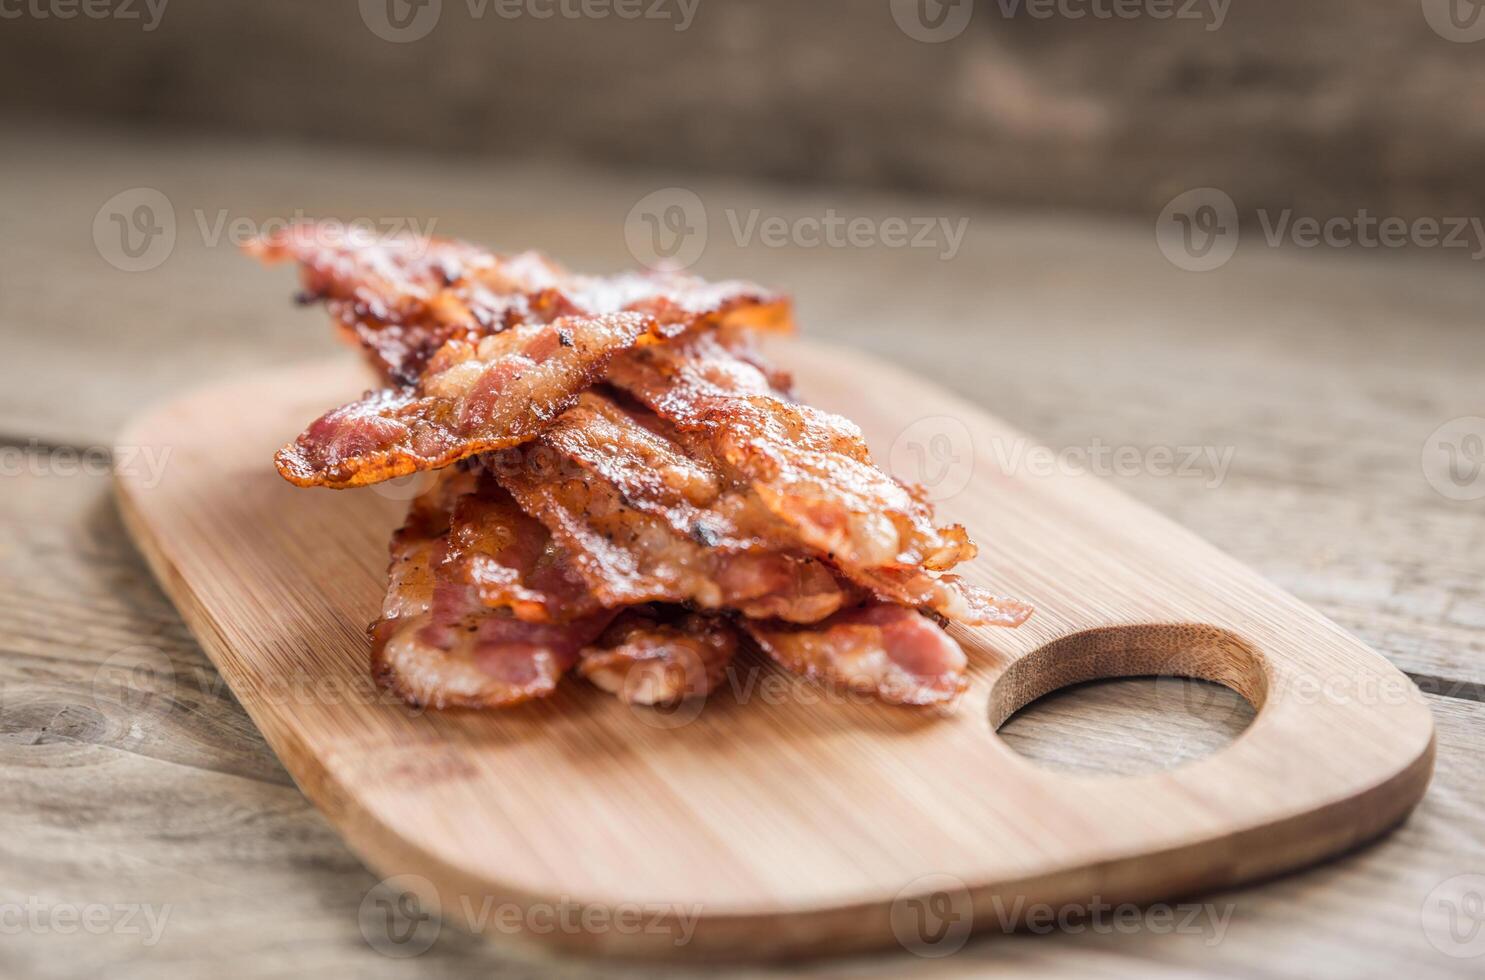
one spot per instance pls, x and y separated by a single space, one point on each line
1329 107
187 807
1317 377
1324 374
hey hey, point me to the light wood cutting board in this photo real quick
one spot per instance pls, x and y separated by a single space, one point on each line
775 818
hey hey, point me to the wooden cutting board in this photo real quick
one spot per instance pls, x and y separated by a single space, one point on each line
776 818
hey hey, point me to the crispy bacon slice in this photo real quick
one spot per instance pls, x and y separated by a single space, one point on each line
474 398
646 658
629 557
644 522
881 649
403 297
438 644
813 472
511 560
637 453
945 595
718 491
812 468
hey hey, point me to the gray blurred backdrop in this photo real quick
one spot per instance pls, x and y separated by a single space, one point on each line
1324 105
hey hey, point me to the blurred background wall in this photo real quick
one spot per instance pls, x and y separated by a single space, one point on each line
1325 105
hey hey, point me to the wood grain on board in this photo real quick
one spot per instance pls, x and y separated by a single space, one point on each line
184 805
788 822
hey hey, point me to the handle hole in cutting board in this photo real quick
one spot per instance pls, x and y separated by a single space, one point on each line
1129 699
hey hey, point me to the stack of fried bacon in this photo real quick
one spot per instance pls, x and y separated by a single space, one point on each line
625 486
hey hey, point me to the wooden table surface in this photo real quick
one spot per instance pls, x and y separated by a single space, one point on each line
170 842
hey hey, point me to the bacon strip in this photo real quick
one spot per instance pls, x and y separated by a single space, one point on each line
645 659
637 453
582 516
629 557
438 644
403 297
881 649
473 398
511 560
813 472
812 468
